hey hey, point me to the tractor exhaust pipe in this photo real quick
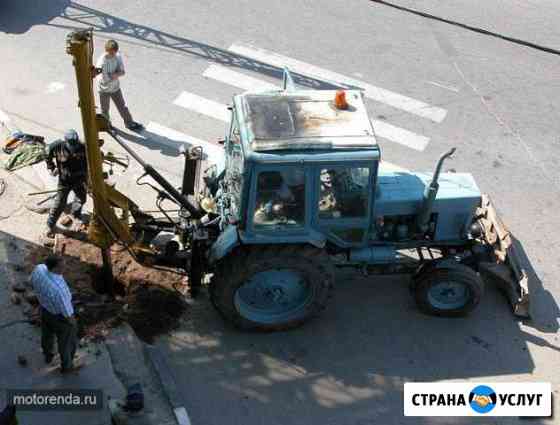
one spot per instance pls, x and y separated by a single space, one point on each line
423 218
191 171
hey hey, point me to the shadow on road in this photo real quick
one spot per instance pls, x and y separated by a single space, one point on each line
349 366
104 23
153 141
545 313
19 16
169 146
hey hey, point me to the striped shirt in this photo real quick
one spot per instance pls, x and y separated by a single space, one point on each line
52 291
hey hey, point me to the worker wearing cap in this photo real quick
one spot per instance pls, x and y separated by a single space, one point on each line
67 160
110 66
57 312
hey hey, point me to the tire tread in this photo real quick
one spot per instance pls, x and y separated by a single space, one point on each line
232 271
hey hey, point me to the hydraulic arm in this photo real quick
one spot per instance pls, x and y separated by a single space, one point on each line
186 201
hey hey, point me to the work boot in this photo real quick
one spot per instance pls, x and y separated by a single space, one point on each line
49 233
135 126
72 369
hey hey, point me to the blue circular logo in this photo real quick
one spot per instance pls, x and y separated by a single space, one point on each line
482 399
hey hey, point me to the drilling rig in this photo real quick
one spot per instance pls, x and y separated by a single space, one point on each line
301 194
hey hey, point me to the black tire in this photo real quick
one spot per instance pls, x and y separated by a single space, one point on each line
461 277
311 265
196 271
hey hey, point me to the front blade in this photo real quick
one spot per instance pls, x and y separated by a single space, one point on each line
504 264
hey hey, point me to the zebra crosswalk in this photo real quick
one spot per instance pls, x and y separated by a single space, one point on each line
378 94
238 79
233 77
203 106
174 138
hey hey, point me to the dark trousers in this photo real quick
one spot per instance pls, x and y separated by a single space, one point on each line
64 190
66 333
118 99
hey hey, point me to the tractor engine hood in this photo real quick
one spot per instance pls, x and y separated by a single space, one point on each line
401 193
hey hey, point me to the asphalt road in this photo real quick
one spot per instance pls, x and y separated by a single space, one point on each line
441 86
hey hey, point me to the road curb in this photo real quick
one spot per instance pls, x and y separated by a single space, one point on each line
169 385
132 365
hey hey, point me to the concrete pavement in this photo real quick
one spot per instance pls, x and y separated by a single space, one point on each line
501 113
24 339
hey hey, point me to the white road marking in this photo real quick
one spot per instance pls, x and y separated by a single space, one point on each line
379 94
400 135
389 166
237 79
182 416
4 118
443 86
203 106
54 87
214 152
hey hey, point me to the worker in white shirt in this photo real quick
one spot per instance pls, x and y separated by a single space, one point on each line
57 313
110 67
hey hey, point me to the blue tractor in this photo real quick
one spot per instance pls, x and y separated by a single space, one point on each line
301 191
304 191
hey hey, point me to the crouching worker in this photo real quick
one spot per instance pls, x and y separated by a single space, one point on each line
67 160
57 313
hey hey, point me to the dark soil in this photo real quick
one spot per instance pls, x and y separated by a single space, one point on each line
150 300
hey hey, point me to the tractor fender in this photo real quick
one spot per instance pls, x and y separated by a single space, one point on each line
226 242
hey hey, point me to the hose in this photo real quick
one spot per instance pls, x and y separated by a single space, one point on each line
3 187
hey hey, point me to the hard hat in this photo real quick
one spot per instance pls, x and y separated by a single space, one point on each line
71 136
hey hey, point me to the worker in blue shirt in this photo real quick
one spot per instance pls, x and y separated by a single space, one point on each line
57 313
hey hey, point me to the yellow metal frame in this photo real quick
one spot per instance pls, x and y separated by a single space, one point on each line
105 227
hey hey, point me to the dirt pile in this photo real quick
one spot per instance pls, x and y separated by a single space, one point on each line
152 310
151 301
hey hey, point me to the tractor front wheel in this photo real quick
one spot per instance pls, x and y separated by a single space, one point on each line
448 291
271 288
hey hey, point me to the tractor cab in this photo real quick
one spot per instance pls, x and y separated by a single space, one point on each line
301 167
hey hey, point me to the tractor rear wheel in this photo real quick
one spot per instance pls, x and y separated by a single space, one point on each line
449 291
270 288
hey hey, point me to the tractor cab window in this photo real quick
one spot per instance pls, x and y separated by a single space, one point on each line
234 171
280 198
344 192
234 136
